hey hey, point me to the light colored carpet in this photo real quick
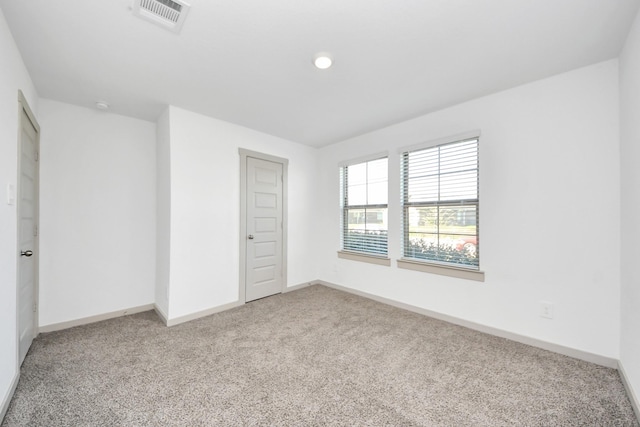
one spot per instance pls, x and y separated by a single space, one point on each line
315 356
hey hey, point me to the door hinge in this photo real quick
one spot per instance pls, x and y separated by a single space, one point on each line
35 307
37 155
35 231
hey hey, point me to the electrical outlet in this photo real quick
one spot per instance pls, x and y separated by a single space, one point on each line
546 309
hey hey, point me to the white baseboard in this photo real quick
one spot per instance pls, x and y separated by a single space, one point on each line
203 313
299 286
161 314
92 319
633 398
218 309
9 395
567 351
556 348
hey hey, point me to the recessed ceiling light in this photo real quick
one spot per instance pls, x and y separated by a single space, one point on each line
101 105
322 61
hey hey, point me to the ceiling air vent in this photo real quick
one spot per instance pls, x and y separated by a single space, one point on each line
166 13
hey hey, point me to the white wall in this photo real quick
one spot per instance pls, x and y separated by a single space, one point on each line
205 209
97 211
163 213
630 155
13 76
549 212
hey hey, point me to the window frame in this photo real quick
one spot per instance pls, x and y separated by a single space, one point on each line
352 254
459 270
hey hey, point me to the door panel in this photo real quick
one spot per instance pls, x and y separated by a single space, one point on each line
265 249
268 201
264 259
265 224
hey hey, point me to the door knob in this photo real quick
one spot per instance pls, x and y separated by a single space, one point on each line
250 237
26 253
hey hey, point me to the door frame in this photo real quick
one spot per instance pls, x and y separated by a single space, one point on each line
23 105
243 216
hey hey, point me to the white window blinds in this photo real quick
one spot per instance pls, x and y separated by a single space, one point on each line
364 207
440 204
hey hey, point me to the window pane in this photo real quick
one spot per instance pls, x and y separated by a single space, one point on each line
421 245
355 219
357 174
423 189
357 195
442 248
356 184
423 163
377 194
377 182
459 186
377 170
376 219
366 219
423 219
459 157
459 220
366 230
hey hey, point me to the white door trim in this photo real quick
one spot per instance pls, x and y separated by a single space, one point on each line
243 216
23 105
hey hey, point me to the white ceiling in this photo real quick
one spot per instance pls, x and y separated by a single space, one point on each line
250 61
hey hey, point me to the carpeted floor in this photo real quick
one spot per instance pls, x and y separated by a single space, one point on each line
315 356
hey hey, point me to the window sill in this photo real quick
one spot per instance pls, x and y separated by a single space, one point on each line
371 259
444 270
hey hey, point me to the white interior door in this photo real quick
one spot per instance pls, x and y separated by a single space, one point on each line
27 232
264 255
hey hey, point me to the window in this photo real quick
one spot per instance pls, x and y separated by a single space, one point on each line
364 207
440 204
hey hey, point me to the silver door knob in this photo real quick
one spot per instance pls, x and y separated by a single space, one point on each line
250 237
26 253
